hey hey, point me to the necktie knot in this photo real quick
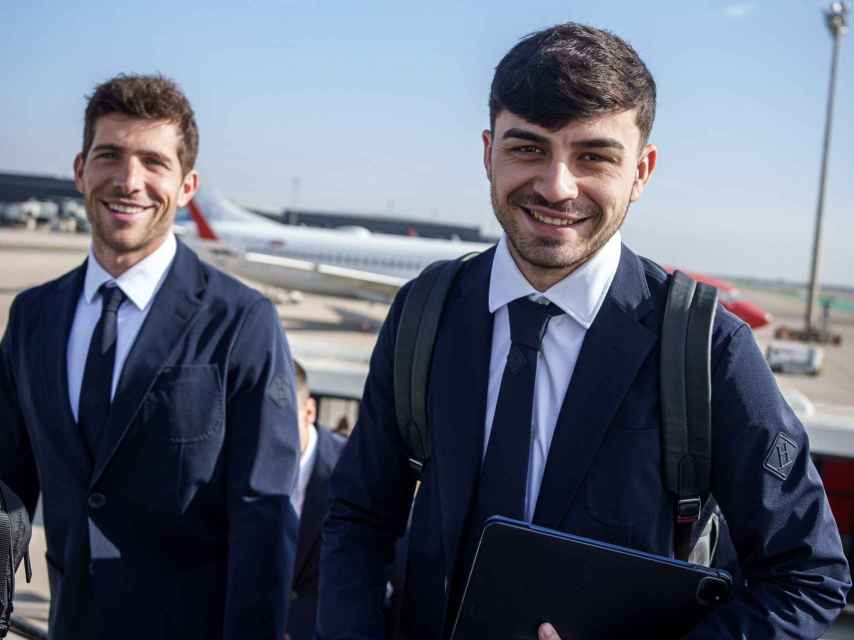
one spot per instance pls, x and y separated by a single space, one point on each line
529 320
113 297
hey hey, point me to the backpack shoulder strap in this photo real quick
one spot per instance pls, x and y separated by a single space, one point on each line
686 400
416 335
7 567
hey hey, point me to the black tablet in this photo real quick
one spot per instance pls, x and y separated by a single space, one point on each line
523 575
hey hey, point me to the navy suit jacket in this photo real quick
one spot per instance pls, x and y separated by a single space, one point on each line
603 475
187 502
303 608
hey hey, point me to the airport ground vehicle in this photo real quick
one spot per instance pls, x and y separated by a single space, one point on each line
794 357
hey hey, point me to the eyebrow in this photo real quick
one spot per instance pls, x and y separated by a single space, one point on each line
600 143
118 148
522 134
592 143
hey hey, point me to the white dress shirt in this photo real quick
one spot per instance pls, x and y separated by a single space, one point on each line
139 283
306 465
579 296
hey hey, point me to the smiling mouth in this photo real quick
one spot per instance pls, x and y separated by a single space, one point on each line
126 209
553 221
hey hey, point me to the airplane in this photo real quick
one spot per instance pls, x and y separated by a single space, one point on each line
351 262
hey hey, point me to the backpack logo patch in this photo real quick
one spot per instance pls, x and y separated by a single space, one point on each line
279 392
781 457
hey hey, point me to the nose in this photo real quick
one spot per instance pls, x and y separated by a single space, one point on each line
557 183
128 177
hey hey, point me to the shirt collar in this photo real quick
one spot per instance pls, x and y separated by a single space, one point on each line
306 460
140 281
579 295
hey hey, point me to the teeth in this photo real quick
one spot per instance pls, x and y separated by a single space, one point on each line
556 222
120 208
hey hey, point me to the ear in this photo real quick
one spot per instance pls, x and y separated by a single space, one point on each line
79 162
487 152
646 165
189 187
310 410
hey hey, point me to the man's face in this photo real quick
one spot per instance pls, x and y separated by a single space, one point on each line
307 409
560 195
133 184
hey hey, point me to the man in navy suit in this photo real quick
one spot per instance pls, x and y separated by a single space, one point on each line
150 398
567 152
319 452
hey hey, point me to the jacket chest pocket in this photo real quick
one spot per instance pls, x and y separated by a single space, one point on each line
185 404
624 485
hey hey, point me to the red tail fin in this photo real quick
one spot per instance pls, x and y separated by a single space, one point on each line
202 226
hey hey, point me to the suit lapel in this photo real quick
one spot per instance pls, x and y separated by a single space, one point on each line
173 310
458 387
54 358
316 501
615 347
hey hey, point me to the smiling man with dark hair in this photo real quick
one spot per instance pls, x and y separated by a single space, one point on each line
544 394
151 399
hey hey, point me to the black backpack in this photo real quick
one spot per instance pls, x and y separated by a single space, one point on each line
685 395
15 534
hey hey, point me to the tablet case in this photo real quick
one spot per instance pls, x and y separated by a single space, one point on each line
524 575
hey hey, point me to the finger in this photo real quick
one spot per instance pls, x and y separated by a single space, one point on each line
547 632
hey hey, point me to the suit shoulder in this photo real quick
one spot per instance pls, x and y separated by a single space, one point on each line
34 298
658 280
329 444
228 290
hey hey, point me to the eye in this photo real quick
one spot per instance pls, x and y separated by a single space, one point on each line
594 157
155 162
527 149
106 155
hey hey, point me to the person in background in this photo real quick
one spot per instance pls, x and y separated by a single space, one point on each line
319 452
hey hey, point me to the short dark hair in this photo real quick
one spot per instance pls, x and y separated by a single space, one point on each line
572 72
301 379
150 97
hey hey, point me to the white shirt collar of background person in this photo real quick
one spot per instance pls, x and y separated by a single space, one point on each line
580 295
140 282
306 466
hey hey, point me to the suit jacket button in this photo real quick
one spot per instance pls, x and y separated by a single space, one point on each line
97 500
293 595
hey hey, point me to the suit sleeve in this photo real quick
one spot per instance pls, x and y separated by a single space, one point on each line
371 492
795 572
262 458
17 464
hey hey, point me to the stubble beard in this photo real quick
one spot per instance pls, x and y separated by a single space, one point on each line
119 244
551 253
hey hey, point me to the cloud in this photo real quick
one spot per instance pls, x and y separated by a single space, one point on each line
740 10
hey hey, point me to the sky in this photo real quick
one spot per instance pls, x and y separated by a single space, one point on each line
378 107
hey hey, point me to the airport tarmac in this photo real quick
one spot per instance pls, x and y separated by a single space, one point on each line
323 330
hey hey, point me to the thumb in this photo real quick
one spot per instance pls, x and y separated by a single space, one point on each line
547 632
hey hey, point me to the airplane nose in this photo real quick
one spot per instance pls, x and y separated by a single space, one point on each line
753 315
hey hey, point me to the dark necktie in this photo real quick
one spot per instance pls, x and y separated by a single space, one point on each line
504 477
97 383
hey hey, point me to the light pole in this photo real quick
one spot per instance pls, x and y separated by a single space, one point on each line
837 21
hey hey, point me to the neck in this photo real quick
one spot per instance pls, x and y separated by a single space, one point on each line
542 278
117 262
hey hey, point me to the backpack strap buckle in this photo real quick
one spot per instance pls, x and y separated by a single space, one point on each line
688 510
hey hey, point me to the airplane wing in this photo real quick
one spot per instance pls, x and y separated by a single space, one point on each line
300 275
